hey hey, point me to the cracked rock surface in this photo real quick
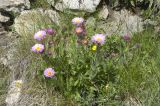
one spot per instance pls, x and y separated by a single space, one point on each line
14 5
84 5
121 23
27 22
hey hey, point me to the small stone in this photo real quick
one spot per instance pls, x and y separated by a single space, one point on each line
130 101
103 14
3 18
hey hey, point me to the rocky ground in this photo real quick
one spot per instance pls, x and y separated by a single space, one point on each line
17 15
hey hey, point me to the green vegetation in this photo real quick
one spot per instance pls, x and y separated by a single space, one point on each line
39 4
4 75
115 72
118 71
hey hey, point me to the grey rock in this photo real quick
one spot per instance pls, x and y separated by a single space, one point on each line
3 18
29 21
103 14
157 4
15 63
150 22
121 23
2 29
84 5
7 54
14 5
14 93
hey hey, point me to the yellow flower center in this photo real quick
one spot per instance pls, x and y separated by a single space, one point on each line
94 48
38 48
49 73
78 21
98 39
78 30
39 34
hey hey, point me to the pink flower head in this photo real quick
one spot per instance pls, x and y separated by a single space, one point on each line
78 21
40 35
50 31
127 37
79 30
49 72
38 48
98 39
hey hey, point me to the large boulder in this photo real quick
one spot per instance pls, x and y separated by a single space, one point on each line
14 5
8 7
84 5
29 21
121 22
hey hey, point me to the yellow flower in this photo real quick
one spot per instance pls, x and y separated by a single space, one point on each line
18 84
94 47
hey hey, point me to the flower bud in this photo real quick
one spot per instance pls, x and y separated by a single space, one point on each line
126 37
50 31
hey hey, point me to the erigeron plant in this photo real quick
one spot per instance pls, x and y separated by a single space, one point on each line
97 40
46 47
91 73
78 63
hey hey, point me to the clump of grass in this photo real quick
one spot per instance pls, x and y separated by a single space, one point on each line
4 76
40 4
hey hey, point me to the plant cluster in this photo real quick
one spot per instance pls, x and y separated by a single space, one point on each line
95 69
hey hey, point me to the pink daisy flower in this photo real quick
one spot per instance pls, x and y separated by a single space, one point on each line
38 48
40 35
49 72
78 21
79 30
98 39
